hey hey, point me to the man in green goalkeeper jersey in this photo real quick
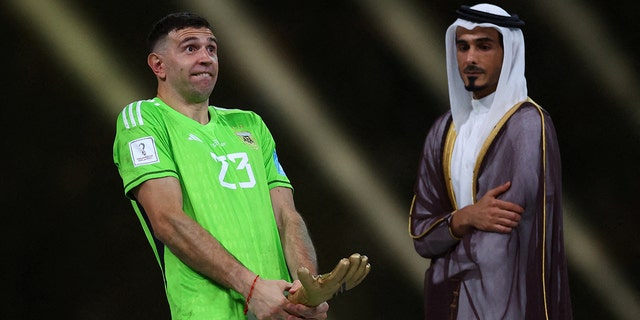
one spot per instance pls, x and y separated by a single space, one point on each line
206 184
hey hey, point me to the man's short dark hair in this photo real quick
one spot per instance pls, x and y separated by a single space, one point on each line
174 21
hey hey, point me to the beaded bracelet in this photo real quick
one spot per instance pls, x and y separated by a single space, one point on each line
246 305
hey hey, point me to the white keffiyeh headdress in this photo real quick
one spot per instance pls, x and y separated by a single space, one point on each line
512 85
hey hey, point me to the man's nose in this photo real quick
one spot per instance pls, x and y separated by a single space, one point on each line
471 56
206 57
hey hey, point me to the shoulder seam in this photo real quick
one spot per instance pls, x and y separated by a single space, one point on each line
131 115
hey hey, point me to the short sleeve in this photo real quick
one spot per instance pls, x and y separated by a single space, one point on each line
141 148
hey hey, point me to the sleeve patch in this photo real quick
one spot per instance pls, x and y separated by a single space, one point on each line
278 165
143 151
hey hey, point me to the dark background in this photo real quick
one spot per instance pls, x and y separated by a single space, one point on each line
74 249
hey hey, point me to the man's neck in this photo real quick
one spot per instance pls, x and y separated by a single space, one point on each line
482 105
196 111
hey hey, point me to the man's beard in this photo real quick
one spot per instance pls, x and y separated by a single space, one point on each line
472 87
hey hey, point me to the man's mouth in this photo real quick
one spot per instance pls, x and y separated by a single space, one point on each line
473 70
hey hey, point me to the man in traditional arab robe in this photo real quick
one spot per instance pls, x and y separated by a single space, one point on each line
487 209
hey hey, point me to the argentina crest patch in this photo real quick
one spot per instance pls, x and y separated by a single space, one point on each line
247 139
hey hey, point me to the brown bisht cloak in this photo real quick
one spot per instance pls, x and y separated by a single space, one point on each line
486 275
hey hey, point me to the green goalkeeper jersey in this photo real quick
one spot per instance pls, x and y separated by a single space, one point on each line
226 169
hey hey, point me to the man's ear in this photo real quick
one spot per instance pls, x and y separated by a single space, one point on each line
157 65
